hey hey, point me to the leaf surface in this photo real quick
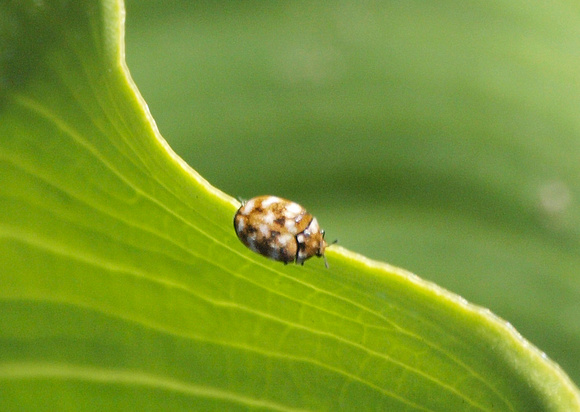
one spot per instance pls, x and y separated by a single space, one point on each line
123 286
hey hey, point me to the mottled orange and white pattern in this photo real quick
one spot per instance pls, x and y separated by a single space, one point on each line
279 229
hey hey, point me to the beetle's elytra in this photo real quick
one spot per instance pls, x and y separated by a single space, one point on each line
279 229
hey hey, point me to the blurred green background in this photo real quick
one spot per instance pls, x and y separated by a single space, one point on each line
441 137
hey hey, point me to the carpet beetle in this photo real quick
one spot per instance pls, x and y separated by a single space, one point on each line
279 229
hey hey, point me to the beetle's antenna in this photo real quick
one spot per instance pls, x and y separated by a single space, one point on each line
324 256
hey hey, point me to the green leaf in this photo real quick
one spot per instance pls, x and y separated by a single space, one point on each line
124 287
440 139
